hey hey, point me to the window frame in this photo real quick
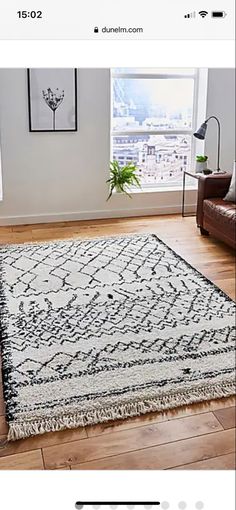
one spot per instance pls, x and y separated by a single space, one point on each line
195 76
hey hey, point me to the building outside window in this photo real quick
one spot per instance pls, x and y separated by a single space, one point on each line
153 117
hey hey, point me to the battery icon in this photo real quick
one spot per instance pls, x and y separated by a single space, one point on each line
218 14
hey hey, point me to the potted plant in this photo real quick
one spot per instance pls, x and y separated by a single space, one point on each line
201 163
122 178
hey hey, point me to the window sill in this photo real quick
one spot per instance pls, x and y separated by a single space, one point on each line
166 189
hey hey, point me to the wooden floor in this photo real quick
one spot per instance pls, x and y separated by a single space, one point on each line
195 437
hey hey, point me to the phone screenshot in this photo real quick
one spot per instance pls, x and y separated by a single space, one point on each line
117 255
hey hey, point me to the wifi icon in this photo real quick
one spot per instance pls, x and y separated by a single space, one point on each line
203 14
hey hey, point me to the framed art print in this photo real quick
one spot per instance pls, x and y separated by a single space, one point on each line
52 99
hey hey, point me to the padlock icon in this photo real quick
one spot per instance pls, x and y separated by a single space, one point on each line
96 30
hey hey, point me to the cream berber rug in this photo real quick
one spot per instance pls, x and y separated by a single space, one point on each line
96 330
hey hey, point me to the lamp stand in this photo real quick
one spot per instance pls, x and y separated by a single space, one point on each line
218 170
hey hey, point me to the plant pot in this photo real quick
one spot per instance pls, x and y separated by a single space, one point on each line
207 171
118 190
200 166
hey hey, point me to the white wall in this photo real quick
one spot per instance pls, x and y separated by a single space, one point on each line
61 176
0 173
221 102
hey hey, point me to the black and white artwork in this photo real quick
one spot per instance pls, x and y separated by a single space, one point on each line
52 98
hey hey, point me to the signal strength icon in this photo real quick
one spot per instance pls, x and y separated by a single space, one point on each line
190 15
203 14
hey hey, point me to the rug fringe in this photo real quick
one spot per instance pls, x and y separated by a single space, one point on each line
20 430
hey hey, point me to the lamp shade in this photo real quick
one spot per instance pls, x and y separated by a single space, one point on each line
201 132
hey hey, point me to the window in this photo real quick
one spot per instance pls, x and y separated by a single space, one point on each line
153 116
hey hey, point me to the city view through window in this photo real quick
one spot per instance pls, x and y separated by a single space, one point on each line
152 125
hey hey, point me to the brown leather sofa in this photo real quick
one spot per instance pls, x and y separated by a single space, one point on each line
214 215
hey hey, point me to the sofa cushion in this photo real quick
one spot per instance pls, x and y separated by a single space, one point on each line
221 212
231 195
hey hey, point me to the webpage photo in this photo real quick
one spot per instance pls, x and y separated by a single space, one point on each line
112 170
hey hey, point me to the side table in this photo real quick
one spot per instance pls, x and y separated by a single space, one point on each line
195 176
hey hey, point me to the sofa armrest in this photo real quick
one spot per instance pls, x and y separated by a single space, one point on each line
210 186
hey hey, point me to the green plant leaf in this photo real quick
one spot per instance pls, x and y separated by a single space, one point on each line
201 159
123 177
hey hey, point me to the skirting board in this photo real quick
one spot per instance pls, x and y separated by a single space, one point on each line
93 215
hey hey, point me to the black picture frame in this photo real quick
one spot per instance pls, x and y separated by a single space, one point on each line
32 129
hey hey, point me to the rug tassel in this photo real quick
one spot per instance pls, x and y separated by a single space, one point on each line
20 430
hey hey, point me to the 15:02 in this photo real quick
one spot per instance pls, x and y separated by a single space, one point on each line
29 14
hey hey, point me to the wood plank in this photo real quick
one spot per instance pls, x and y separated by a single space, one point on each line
227 285
128 440
126 424
3 426
57 234
44 440
30 460
227 417
172 414
168 455
217 271
6 230
2 403
222 462
15 238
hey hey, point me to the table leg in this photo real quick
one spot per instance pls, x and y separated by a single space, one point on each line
183 194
